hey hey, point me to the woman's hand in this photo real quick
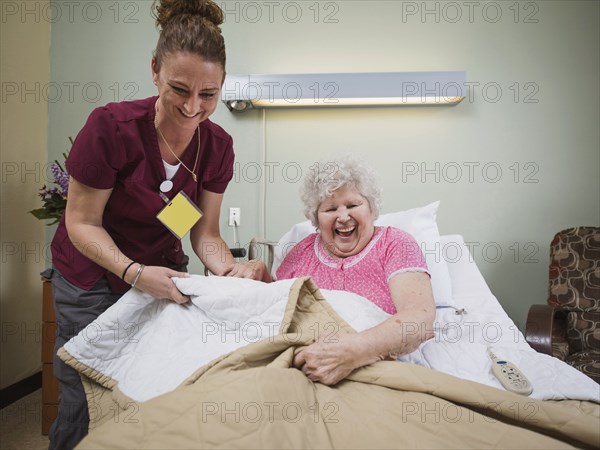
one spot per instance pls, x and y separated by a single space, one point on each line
333 358
85 209
211 249
156 281
254 269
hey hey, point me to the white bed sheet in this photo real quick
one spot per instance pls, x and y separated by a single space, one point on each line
462 342
151 346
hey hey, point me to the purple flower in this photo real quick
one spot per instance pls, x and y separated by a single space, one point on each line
54 199
60 178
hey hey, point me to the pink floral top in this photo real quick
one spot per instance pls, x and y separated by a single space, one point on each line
390 251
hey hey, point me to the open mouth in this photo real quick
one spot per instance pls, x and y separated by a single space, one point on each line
345 232
188 116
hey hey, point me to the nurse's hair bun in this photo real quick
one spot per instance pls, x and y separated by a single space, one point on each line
189 26
166 10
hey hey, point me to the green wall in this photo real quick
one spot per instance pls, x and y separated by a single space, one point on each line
514 163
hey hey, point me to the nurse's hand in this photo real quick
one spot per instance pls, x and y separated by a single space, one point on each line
156 281
255 269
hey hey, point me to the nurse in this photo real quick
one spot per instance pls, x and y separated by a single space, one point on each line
129 162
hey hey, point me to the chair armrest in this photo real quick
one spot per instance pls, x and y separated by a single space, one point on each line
544 325
252 250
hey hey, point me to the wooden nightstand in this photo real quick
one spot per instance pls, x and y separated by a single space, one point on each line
49 382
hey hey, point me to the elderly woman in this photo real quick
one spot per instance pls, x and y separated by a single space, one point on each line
348 252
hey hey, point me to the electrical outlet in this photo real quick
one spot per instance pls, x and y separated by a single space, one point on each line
234 216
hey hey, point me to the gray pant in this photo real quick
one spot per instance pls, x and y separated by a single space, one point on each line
75 308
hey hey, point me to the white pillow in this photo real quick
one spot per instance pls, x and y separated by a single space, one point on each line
419 222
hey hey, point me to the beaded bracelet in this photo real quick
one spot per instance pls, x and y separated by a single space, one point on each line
137 275
126 269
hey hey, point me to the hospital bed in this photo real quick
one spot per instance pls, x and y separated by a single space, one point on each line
216 373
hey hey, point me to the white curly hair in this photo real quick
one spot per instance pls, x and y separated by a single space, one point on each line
327 176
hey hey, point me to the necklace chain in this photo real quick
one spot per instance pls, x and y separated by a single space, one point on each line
193 171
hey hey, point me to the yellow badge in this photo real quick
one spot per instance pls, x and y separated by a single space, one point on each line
180 215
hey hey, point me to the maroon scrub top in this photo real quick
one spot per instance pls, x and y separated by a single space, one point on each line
118 149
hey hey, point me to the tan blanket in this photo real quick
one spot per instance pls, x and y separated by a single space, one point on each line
252 398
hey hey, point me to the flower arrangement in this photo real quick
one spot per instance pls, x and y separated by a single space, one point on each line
54 198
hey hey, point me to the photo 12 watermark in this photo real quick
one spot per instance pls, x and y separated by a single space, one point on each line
324 90
451 172
114 412
471 172
269 411
70 92
489 91
27 410
269 171
71 11
524 12
321 12
472 412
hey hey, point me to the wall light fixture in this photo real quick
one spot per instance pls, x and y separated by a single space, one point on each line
244 92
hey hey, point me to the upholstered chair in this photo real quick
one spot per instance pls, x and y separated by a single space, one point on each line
568 327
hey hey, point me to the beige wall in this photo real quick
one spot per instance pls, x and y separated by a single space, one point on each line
25 66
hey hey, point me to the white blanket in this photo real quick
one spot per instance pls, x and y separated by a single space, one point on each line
149 347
